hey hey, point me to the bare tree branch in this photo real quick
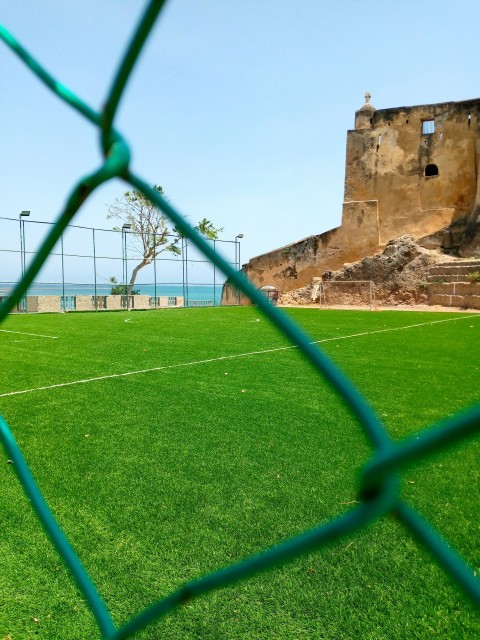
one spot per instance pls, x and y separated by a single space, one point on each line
149 233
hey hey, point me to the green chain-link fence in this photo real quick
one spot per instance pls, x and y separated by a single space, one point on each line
379 482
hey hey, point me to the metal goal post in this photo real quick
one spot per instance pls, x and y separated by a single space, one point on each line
345 293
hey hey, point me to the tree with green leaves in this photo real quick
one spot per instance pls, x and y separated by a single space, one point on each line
149 234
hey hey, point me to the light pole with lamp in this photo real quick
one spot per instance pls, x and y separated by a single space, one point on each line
23 215
125 228
237 259
237 244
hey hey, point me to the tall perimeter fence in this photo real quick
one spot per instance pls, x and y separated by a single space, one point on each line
85 260
379 483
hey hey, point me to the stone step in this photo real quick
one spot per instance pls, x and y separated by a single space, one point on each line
442 278
460 262
454 288
448 268
470 302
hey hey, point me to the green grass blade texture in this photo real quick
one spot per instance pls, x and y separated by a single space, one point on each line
379 485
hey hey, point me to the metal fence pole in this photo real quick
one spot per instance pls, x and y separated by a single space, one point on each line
127 291
125 229
22 304
214 276
63 275
239 262
94 271
155 272
22 217
186 272
183 272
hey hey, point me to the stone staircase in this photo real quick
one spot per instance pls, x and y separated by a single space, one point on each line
448 284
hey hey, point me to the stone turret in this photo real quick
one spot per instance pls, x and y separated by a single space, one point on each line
363 117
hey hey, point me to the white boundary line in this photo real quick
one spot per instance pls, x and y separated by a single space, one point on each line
35 335
220 358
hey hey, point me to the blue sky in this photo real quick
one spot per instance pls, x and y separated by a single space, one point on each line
238 108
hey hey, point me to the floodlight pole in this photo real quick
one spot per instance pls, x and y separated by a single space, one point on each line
125 228
237 259
22 216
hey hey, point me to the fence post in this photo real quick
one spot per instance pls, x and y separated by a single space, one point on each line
186 273
214 276
94 271
63 275
155 281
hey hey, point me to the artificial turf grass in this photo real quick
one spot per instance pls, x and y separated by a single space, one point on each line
203 445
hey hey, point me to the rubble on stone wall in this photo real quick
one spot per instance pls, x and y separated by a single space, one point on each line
399 274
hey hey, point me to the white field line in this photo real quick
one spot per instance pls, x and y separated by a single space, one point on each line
220 358
24 333
29 341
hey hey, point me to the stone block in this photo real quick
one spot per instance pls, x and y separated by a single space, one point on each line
84 303
466 288
43 304
446 300
140 302
114 303
471 301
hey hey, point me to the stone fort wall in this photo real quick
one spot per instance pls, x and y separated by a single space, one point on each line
408 170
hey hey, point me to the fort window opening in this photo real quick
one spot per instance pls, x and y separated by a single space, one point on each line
431 170
428 127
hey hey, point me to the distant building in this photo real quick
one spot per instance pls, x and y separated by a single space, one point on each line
409 170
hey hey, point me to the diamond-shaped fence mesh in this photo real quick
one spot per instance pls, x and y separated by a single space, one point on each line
379 483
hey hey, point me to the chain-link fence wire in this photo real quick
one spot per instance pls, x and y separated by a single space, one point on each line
96 255
379 482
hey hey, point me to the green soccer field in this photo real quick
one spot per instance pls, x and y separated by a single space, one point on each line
170 443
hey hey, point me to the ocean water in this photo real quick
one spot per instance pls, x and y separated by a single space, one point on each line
190 292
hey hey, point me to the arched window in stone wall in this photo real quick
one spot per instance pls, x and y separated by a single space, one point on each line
431 170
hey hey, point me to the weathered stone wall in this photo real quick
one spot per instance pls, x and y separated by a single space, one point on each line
296 264
387 161
114 303
402 177
42 304
85 303
140 302
455 284
232 297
